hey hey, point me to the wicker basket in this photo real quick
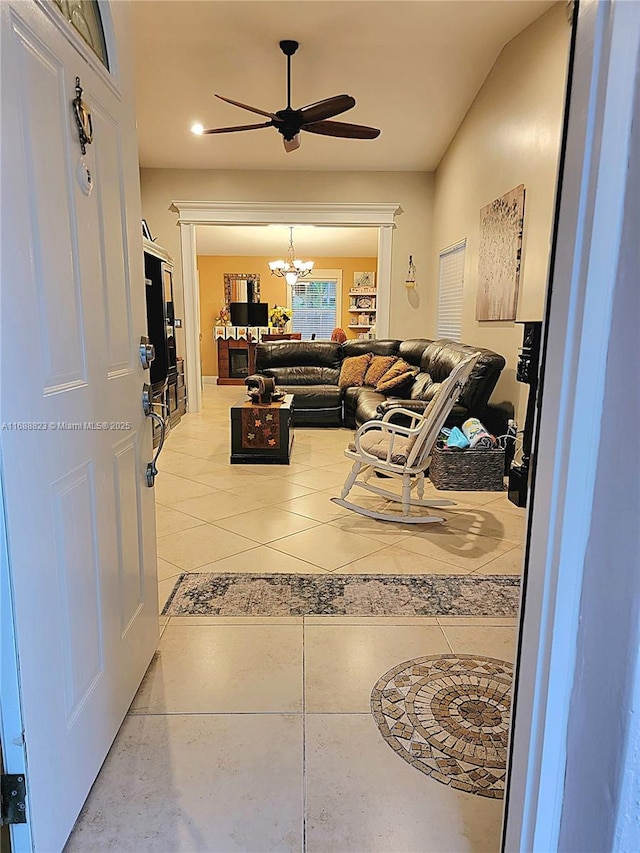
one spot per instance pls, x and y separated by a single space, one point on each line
467 470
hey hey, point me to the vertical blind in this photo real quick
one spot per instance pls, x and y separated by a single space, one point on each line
450 289
314 308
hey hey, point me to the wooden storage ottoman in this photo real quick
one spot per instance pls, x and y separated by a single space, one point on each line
467 470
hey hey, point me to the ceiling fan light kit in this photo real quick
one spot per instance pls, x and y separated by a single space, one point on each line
314 118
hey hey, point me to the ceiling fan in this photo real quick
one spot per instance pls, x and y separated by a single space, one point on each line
313 118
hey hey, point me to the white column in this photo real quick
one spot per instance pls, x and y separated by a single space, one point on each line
383 301
193 368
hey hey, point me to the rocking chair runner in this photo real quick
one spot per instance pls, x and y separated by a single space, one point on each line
403 453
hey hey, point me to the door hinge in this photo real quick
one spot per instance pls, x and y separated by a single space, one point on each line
13 796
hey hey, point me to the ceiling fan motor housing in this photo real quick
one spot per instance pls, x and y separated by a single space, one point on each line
292 121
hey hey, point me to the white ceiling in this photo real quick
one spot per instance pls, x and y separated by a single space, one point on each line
272 241
413 66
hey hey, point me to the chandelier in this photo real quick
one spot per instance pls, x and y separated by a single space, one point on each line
291 269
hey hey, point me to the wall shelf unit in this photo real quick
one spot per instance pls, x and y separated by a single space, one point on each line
362 309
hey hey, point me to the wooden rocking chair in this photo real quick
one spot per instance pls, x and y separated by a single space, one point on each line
402 452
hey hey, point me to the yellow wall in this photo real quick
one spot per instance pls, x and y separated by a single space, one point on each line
273 290
511 135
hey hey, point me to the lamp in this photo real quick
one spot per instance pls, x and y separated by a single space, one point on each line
410 280
291 269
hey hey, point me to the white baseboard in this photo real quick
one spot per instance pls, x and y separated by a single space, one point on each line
210 380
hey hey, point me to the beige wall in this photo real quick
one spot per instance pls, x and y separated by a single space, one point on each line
510 136
273 290
413 191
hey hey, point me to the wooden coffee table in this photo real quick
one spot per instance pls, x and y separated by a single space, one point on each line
262 434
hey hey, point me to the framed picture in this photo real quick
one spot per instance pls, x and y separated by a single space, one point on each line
145 230
364 279
500 256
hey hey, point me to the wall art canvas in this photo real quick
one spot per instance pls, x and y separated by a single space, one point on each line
364 279
499 256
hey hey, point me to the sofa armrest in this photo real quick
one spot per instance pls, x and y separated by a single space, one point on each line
417 406
394 411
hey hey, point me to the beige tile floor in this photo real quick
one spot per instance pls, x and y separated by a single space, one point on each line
254 734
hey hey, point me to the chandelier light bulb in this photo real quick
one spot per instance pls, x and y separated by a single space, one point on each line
197 128
291 278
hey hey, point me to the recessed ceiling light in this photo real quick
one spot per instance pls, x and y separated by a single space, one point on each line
197 128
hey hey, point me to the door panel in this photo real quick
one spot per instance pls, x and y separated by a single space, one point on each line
111 207
130 575
79 585
79 516
59 305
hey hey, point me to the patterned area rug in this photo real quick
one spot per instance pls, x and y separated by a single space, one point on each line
448 716
210 594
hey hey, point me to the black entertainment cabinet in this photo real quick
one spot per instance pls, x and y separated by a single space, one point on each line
167 369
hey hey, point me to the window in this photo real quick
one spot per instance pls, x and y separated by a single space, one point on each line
84 17
315 304
450 290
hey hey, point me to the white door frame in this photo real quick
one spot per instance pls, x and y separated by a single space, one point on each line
192 213
584 269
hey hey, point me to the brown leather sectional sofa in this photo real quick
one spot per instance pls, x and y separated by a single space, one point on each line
310 370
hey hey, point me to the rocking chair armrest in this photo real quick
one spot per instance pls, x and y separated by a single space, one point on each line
384 426
378 426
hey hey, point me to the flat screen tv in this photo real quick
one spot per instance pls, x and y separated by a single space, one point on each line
258 314
239 313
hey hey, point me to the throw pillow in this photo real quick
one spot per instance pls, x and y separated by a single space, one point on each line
353 370
378 367
399 374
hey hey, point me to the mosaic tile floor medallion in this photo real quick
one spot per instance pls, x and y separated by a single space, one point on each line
448 716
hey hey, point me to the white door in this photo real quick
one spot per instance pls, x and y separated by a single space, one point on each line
79 517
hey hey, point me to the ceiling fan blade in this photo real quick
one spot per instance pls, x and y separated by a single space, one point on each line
291 144
247 107
238 127
327 108
343 129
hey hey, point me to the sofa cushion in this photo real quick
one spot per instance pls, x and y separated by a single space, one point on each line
309 375
360 405
298 354
375 347
377 368
377 444
353 370
397 376
314 396
398 384
412 349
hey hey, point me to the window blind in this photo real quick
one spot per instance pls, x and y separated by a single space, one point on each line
450 290
314 308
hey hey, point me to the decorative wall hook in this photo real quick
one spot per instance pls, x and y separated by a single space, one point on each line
83 119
